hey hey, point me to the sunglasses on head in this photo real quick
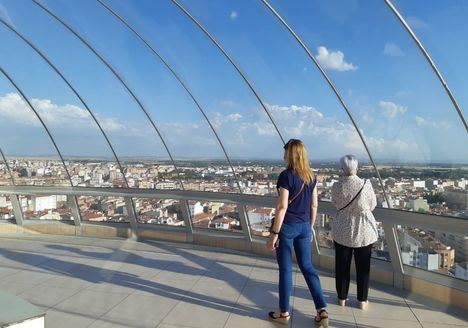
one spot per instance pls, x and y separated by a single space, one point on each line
290 142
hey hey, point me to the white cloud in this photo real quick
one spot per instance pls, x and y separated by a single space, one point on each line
429 122
220 119
228 103
367 118
233 15
333 60
310 124
402 93
391 49
416 22
14 108
391 110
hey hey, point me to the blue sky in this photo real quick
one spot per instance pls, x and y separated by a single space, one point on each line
396 99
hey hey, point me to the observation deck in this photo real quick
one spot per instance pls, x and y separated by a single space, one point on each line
91 282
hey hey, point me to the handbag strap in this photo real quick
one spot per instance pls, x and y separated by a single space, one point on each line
296 195
300 191
352 200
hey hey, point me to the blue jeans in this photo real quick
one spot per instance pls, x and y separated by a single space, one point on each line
297 235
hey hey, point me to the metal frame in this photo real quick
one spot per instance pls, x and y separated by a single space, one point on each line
177 78
429 60
233 63
119 78
130 207
72 203
187 219
17 211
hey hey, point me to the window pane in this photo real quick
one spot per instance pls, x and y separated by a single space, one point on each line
159 211
214 215
6 208
434 251
260 220
46 207
103 209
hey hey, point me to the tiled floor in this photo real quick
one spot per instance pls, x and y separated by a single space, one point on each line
85 282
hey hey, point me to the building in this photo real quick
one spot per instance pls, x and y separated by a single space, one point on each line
419 184
456 198
458 242
461 270
419 205
42 203
195 208
259 215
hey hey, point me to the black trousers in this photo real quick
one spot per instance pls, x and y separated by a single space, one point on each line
362 257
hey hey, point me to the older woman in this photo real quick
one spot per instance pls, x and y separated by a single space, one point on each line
354 230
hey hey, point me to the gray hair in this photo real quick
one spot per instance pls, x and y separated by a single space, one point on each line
349 164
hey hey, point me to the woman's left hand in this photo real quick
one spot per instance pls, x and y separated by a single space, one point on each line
271 242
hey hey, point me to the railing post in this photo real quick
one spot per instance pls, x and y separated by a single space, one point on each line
131 217
72 203
315 247
187 220
17 212
395 255
244 221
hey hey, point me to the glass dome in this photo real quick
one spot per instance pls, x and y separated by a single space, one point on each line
200 96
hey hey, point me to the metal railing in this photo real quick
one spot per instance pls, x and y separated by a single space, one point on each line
390 218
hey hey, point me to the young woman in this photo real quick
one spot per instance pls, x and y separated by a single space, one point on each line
354 230
296 212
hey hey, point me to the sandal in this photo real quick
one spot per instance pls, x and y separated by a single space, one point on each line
279 317
321 319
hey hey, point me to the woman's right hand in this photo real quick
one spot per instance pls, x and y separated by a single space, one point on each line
270 245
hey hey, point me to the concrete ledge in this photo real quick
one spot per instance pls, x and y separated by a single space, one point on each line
52 229
437 292
157 234
105 231
9 228
236 241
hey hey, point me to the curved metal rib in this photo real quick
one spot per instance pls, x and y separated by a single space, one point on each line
429 59
8 167
121 80
40 119
244 77
179 80
332 86
32 46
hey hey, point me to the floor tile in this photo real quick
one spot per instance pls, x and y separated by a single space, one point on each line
389 311
251 317
203 313
139 311
60 319
89 302
385 323
46 296
335 320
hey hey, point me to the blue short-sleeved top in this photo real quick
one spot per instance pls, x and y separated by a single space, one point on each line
299 210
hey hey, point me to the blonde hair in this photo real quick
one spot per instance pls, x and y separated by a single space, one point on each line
295 155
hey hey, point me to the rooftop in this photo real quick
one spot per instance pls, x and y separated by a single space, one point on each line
90 282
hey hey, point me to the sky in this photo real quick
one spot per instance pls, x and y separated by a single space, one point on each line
395 98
